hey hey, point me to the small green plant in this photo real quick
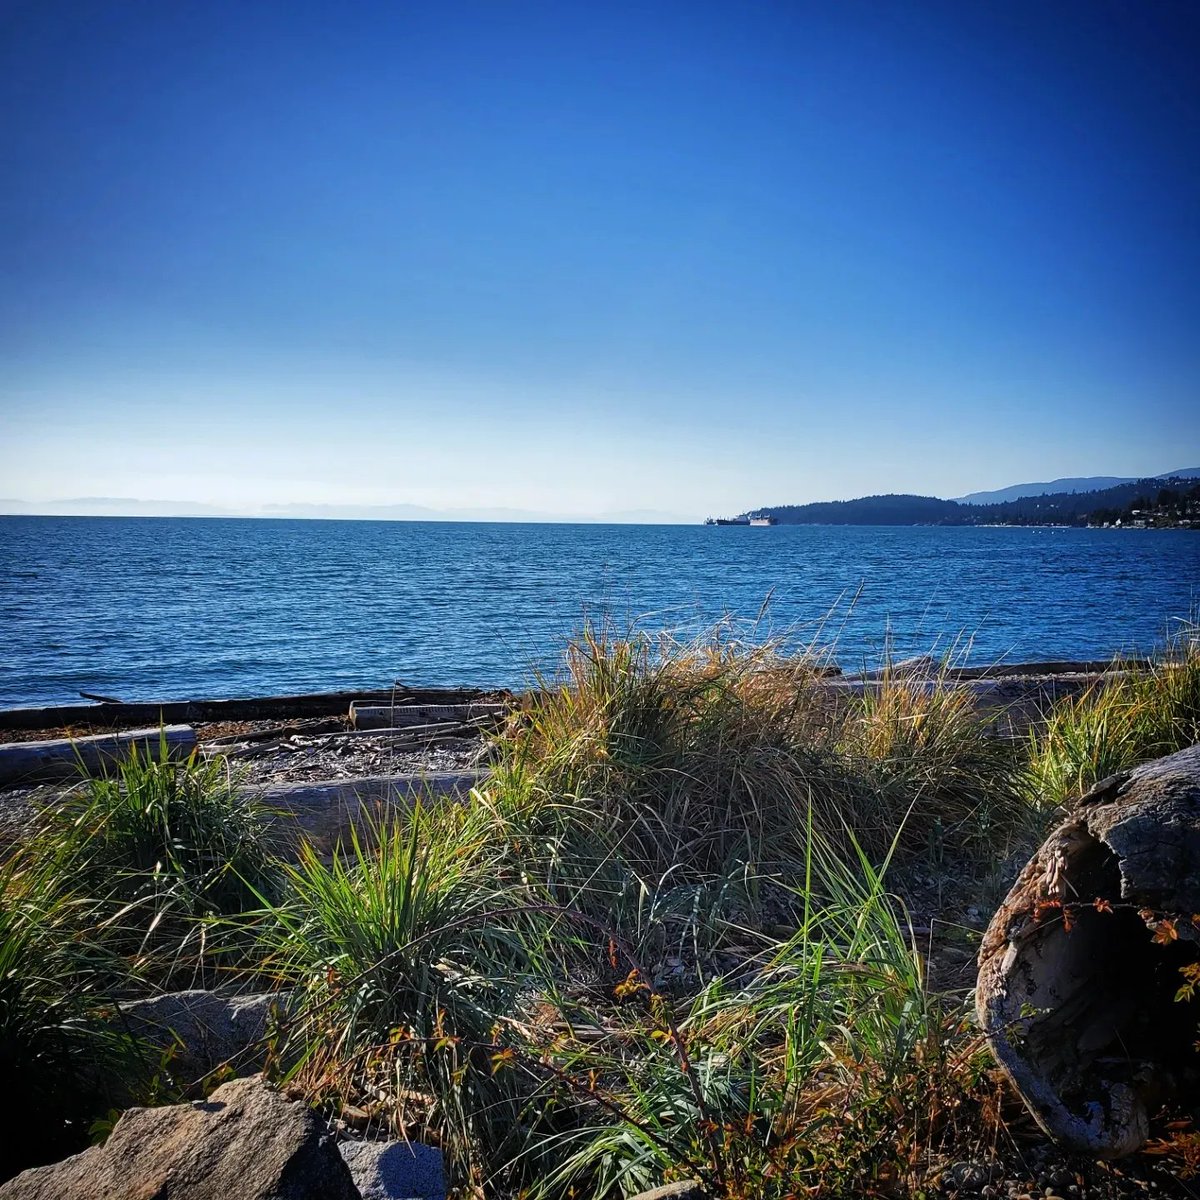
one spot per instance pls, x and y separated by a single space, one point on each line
406 954
820 1067
167 846
63 1060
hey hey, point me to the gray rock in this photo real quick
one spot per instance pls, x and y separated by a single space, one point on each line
203 1030
245 1142
395 1170
686 1189
970 1176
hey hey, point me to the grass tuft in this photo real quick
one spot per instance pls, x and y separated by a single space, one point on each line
168 847
704 754
63 1061
1118 723
405 955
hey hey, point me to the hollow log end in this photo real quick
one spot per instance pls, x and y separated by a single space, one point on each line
1081 965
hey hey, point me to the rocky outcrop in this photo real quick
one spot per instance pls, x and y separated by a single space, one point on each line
201 1031
1082 967
245 1141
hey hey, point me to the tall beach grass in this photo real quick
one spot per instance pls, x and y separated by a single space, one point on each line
1119 722
665 938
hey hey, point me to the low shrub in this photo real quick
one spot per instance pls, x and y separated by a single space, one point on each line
702 755
694 754
820 1066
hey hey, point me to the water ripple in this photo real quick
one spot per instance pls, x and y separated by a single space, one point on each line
159 609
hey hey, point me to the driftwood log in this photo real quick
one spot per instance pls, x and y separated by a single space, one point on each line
69 758
1082 967
387 716
326 814
111 715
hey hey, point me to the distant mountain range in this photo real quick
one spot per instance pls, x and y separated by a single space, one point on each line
1061 501
1090 483
1056 508
120 506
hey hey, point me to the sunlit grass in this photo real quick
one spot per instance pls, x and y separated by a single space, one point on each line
660 940
403 955
704 753
63 1061
1119 722
167 846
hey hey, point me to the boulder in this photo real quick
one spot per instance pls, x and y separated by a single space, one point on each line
1081 970
395 1170
245 1141
203 1030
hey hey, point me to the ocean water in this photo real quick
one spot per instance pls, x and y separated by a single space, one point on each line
158 609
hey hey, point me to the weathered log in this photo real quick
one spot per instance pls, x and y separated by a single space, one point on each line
325 814
1012 705
376 716
64 758
1082 964
109 715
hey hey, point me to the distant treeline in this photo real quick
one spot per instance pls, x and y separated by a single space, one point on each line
1170 496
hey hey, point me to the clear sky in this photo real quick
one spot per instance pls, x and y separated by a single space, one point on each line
592 257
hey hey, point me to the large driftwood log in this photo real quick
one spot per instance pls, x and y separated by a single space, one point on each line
1082 964
111 715
377 716
65 758
325 814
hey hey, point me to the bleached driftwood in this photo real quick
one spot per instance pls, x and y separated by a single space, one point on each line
377 716
1081 965
64 758
324 814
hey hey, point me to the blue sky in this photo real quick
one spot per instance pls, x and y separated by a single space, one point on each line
585 258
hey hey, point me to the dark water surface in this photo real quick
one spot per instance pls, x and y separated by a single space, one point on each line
143 608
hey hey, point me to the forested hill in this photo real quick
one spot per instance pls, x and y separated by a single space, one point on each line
1060 508
874 510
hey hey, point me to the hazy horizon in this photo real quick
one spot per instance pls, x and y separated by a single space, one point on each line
129 506
132 506
560 259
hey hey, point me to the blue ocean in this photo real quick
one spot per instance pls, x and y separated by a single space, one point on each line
159 609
